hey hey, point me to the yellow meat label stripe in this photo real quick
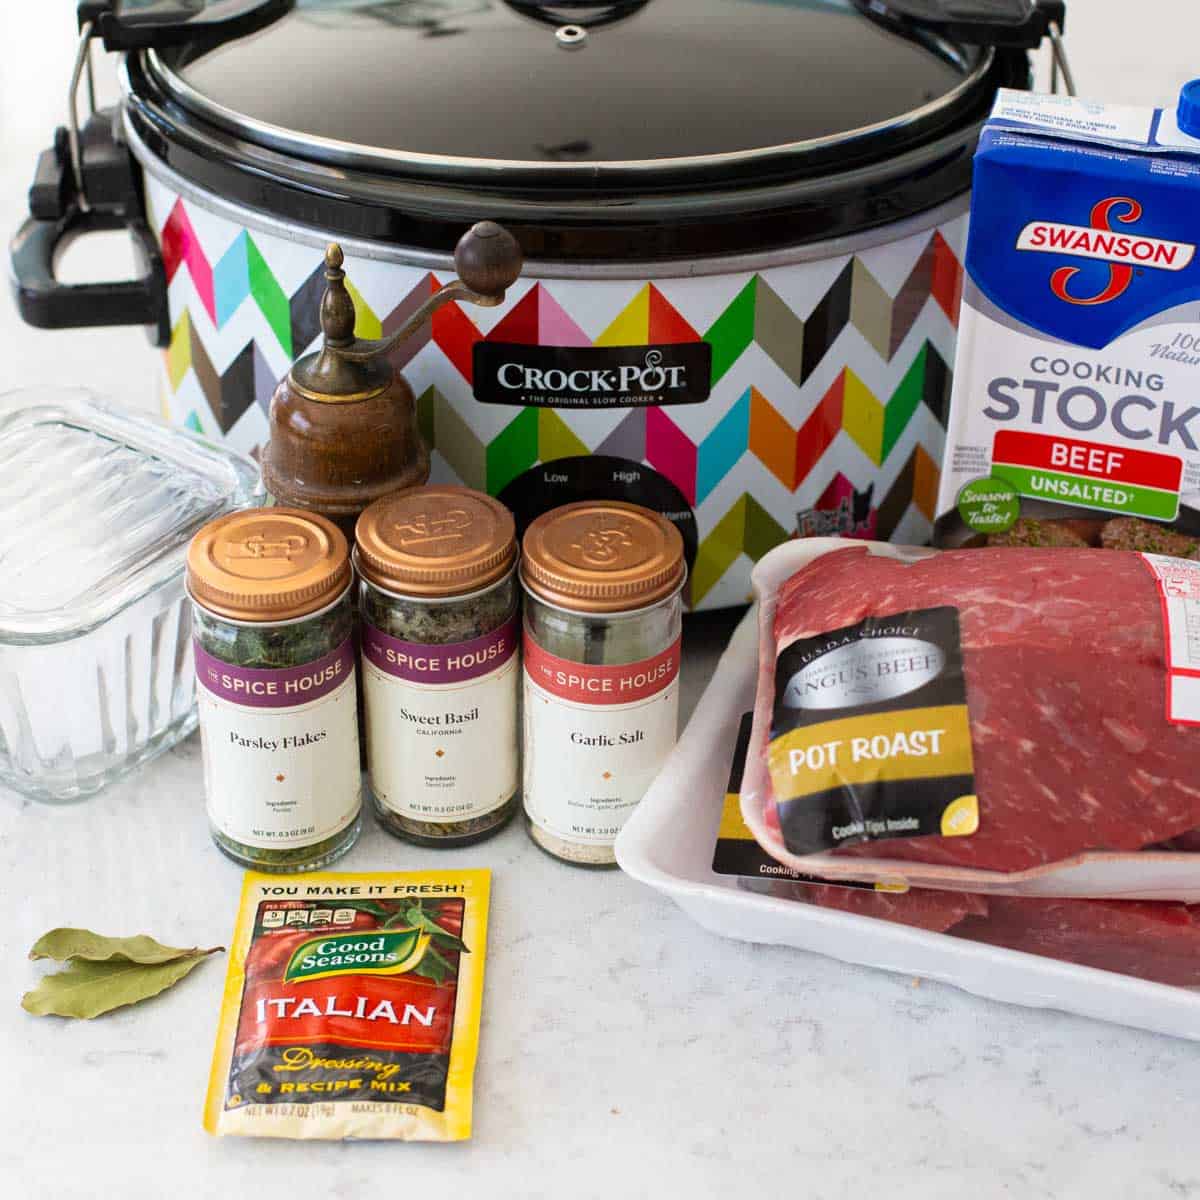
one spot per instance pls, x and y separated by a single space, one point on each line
914 743
732 827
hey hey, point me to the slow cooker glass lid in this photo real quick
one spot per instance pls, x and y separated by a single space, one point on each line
474 85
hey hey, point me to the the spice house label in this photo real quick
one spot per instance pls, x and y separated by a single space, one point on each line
282 747
441 723
606 728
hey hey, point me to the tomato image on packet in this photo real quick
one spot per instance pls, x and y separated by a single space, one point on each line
351 1007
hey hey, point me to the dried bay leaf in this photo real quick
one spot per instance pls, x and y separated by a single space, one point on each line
62 945
88 989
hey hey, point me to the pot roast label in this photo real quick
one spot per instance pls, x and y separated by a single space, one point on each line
592 376
869 735
737 853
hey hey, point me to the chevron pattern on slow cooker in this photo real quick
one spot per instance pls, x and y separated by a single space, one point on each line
756 325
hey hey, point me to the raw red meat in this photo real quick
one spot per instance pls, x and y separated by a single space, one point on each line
1149 939
935 911
1063 659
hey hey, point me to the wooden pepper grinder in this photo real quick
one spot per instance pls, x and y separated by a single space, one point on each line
343 420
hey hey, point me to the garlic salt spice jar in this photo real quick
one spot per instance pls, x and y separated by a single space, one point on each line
275 670
440 633
603 618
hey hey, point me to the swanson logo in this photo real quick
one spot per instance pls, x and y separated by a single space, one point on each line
387 952
1123 252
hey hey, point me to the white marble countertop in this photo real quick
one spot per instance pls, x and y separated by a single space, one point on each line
625 1051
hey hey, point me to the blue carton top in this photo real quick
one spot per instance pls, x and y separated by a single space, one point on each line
1085 217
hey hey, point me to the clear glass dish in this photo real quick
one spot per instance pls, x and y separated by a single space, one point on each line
97 506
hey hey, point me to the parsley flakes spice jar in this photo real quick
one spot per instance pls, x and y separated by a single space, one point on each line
275 673
603 618
438 599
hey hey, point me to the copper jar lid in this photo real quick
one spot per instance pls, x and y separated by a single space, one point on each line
268 564
602 556
439 540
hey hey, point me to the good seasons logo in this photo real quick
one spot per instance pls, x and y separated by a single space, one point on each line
592 376
1124 252
865 672
388 952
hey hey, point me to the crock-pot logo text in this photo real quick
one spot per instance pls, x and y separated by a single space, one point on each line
1124 251
592 376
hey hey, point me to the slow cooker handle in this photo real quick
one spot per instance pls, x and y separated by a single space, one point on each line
583 14
143 24
104 196
1019 24
1010 24
45 303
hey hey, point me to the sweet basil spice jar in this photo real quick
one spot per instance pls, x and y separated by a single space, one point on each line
438 600
603 619
275 675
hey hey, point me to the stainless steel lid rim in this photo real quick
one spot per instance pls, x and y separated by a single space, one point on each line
662 224
674 88
786 254
610 180
938 112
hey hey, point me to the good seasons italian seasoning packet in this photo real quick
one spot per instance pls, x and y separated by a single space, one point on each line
351 1007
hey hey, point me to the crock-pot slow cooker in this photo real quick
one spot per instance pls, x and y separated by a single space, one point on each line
742 219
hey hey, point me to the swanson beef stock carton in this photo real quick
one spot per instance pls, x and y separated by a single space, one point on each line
1075 416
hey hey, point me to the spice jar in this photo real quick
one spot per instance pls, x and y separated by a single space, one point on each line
438 601
275 682
603 618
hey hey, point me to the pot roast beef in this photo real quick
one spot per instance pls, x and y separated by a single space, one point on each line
920 907
1152 940
1063 657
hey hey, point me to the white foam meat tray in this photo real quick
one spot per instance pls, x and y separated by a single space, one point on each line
668 845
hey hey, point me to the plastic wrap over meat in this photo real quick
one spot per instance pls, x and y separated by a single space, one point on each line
1084 787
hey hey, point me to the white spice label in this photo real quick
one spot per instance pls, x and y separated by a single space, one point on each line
280 748
595 738
442 723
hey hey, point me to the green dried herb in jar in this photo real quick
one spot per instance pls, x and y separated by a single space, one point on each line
440 633
603 620
275 683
